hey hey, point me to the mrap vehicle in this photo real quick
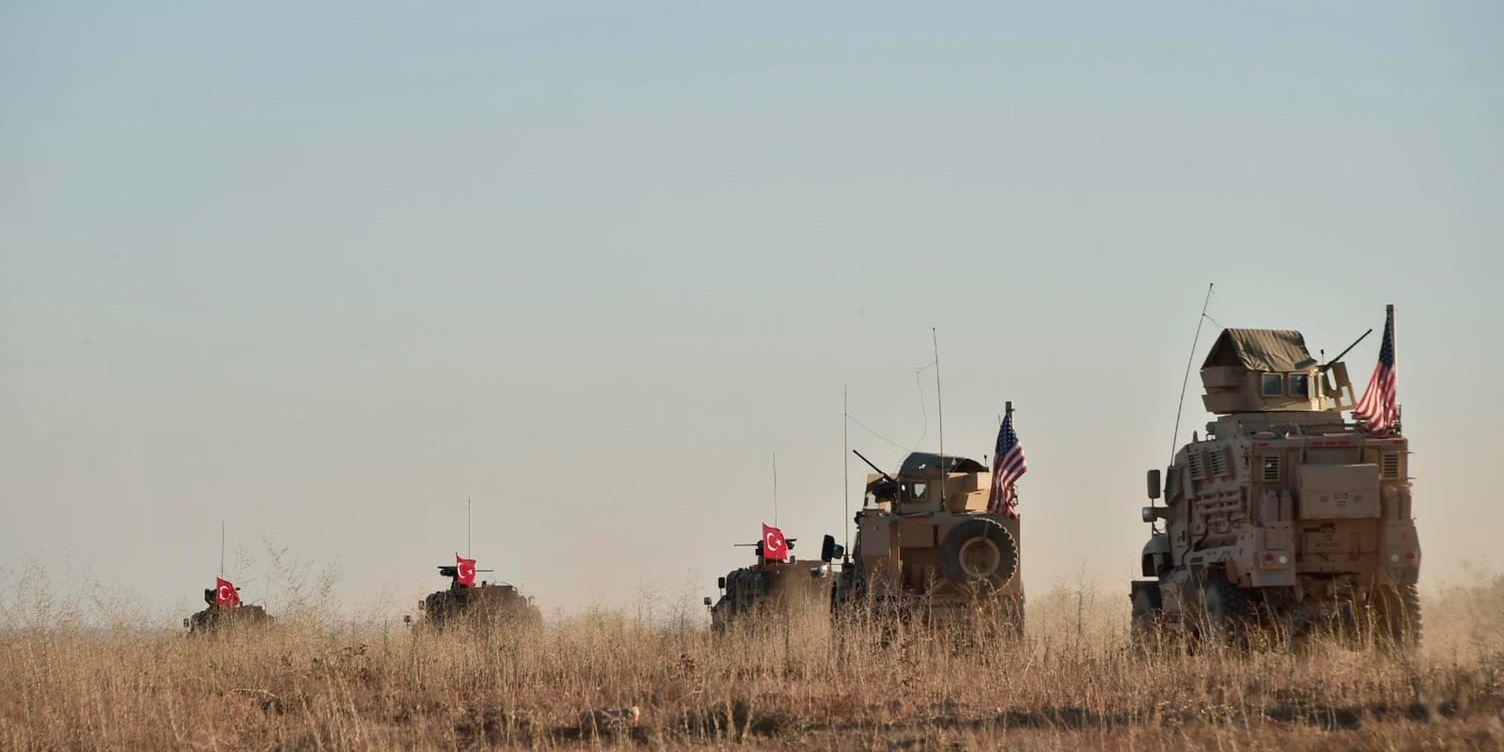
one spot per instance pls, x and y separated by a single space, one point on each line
1284 516
928 546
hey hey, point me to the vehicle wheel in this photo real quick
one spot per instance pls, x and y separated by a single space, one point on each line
1148 607
979 555
1225 613
1398 612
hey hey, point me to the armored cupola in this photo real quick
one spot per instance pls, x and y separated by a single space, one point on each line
1260 370
917 487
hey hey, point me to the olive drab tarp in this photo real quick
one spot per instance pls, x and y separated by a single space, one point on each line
1272 350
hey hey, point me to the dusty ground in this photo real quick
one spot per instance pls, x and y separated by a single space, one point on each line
1072 683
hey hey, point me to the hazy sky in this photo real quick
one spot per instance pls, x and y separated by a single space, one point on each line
324 272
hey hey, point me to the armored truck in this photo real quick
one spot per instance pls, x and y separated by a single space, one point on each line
1283 516
224 617
928 545
750 595
477 605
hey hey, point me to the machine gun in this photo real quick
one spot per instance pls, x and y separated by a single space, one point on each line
888 488
1337 388
1349 348
452 571
757 547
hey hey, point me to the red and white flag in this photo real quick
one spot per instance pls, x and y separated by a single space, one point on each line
1379 408
465 569
774 546
225 593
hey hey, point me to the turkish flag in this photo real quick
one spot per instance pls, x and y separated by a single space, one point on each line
226 594
774 547
466 571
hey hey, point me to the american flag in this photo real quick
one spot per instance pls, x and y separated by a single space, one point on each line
1008 466
1379 408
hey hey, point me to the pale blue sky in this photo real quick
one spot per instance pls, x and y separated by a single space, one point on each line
324 272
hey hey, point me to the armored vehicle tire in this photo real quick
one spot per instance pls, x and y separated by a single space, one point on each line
1225 614
1398 612
979 554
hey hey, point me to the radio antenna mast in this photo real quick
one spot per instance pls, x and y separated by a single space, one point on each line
939 408
469 552
1179 406
221 548
775 489
846 464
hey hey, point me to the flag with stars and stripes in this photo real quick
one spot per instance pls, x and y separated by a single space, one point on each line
1379 408
1008 466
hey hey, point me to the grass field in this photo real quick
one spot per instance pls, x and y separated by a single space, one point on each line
1073 682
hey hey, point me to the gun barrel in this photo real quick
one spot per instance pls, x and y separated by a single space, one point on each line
879 470
1333 361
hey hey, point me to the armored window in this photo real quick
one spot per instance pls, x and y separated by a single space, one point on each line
1198 465
1219 462
1172 481
916 491
1389 466
1270 468
1300 385
1274 385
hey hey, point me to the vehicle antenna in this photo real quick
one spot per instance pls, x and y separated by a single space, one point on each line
846 464
221 548
940 409
775 489
469 551
1179 406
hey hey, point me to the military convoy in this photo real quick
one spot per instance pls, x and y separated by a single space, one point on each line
928 549
1283 517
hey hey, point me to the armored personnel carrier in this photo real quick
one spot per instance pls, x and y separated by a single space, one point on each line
477 604
767 588
225 614
1283 515
927 545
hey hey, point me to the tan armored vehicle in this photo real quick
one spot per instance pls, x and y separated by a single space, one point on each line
774 589
224 617
927 545
477 605
1284 515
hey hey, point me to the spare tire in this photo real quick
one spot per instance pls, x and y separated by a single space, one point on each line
979 554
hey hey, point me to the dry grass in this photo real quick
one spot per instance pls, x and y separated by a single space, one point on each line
1072 683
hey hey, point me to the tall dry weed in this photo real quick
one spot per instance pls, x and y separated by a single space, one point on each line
654 676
